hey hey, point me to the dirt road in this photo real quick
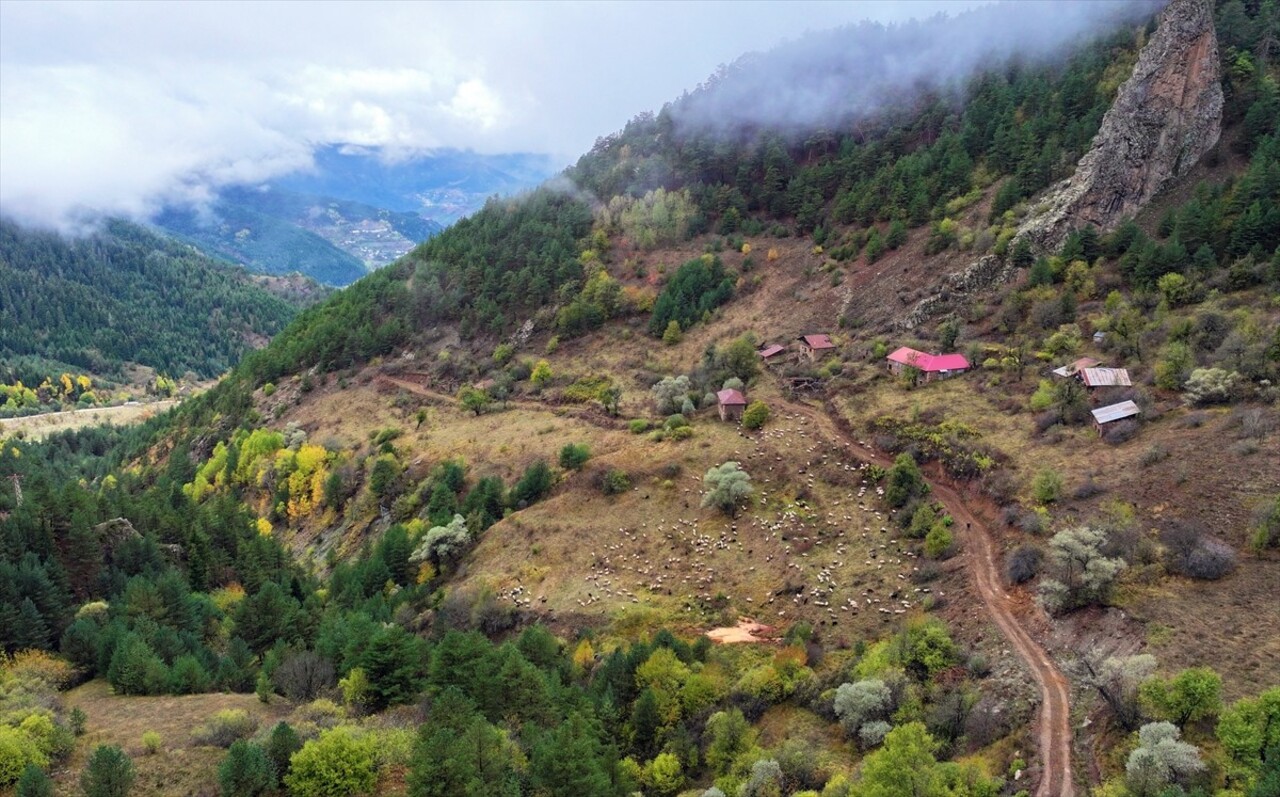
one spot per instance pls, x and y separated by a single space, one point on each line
1053 726
40 426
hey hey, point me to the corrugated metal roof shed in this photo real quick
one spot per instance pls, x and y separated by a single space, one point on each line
1105 377
1115 412
769 351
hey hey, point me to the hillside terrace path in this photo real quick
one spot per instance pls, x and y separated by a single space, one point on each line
1053 725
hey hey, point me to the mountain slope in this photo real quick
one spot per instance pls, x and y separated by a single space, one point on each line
126 296
498 435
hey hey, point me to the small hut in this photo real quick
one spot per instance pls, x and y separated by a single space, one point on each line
1112 413
815 346
771 354
731 403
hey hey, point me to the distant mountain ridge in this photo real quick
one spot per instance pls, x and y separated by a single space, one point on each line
444 185
355 212
125 296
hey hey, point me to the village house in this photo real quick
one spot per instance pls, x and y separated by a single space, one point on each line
1071 369
771 354
731 403
1105 377
815 346
932 366
1112 413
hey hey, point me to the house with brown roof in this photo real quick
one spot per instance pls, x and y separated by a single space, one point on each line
931 366
731 404
815 346
771 354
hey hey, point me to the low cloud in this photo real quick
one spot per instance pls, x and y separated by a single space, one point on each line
121 108
829 78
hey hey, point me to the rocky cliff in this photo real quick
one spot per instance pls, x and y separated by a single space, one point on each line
1165 117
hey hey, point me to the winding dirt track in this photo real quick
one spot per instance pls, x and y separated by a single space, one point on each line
1053 726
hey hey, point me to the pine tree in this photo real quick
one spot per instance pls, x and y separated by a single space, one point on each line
246 771
29 629
109 773
282 744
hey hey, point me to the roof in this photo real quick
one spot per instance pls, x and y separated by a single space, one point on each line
1105 377
929 363
1114 412
1071 369
729 396
818 341
769 351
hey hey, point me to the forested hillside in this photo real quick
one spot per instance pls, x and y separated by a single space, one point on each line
464 527
125 295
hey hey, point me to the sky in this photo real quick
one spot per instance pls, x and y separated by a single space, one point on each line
120 107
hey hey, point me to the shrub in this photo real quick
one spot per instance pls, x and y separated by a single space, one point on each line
905 481
1189 552
17 751
152 742
669 393
1266 527
303 676
1152 455
225 727
29 665
638 426
77 719
337 764
755 415
109 773
1120 431
34 783
675 421
1023 563
614 482
246 771
1087 489
574 455
1212 386
533 485
728 486
938 542
1047 486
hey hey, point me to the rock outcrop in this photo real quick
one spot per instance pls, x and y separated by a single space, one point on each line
1165 117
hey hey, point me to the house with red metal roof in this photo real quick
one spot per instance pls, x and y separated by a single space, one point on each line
814 346
731 403
931 366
